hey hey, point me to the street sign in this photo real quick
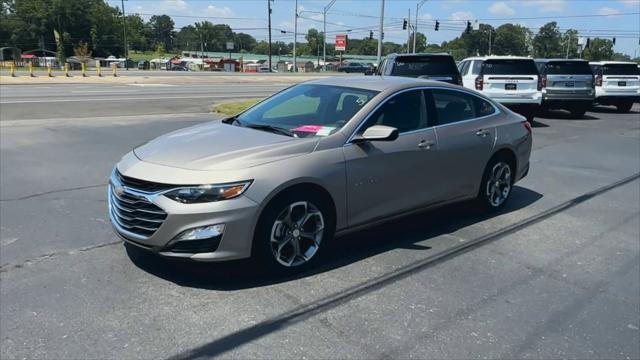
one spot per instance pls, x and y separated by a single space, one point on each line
341 42
229 45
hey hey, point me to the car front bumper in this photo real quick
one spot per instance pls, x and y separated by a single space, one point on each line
236 215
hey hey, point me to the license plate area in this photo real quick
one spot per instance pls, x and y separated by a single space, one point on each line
510 86
569 84
622 83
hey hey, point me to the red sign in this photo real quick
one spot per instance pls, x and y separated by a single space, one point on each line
341 42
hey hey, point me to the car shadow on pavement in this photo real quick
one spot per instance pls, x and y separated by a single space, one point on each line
412 232
612 110
563 114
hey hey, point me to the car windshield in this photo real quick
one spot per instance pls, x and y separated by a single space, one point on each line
414 66
620 69
567 68
307 110
509 67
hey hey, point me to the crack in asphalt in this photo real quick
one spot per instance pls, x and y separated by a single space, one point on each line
7 267
26 197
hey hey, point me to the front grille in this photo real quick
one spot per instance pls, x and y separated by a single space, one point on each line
136 214
143 185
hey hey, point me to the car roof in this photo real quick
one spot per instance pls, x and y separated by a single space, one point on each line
377 83
498 57
420 54
612 62
564 60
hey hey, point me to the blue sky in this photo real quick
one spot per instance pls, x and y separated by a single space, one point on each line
363 15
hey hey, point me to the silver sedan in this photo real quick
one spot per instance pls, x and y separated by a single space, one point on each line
283 178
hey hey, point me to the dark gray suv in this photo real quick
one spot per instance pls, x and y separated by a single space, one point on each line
432 66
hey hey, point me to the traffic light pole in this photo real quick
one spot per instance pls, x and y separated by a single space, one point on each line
409 32
124 31
269 9
295 39
324 34
415 28
381 31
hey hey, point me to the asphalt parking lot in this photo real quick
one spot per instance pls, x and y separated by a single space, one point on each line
555 275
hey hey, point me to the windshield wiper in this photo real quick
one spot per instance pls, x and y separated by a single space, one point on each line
271 128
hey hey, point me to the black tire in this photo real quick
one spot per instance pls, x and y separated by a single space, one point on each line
578 112
484 193
262 244
624 106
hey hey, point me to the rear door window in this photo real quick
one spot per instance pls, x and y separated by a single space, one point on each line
509 67
567 68
414 66
477 66
620 69
455 106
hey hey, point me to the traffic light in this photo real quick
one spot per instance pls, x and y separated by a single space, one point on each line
614 41
404 24
468 30
370 35
437 25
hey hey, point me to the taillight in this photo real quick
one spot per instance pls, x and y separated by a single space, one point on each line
527 125
598 80
542 82
479 83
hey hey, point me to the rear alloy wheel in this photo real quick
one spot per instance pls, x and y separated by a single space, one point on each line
296 234
496 184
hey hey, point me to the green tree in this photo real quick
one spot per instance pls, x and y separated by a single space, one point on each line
421 42
546 43
599 49
314 41
476 42
570 44
510 39
244 42
162 30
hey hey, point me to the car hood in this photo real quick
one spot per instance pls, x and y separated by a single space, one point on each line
218 146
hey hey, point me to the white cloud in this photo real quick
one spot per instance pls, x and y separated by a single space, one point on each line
426 16
213 10
462 15
608 11
501 8
546 5
630 2
178 5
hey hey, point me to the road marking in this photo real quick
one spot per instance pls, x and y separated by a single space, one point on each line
228 96
151 85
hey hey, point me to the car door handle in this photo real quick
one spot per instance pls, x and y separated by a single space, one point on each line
426 144
482 132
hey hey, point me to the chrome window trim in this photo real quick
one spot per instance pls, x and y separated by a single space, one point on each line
496 112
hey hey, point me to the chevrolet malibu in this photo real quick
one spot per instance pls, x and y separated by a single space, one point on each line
278 181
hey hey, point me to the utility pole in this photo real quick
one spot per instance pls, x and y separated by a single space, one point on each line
490 31
269 9
295 39
124 31
409 31
324 34
415 28
381 31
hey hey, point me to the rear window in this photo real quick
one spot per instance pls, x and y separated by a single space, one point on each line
414 66
567 68
620 69
509 67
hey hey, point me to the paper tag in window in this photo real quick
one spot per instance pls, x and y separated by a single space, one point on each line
325 131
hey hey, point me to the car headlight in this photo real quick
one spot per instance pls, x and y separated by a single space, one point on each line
208 193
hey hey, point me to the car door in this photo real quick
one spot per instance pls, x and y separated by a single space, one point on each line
465 139
471 73
388 177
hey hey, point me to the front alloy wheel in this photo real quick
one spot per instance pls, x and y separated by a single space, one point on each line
498 184
297 233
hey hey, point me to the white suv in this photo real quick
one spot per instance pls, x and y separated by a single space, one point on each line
510 80
617 83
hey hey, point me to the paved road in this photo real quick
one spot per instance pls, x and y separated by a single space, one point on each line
555 275
27 102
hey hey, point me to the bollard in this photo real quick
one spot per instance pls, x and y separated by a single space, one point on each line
31 74
113 70
66 70
84 70
49 70
98 69
13 70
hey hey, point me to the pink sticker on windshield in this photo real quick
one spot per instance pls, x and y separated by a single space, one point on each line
308 128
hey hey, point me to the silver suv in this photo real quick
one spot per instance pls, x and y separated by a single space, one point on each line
566 84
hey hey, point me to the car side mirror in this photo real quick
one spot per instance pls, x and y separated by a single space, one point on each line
378 133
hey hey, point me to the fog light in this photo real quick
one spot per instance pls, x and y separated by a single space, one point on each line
204 232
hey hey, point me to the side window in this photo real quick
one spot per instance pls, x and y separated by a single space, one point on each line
477 65
462 66
405 112
454 106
